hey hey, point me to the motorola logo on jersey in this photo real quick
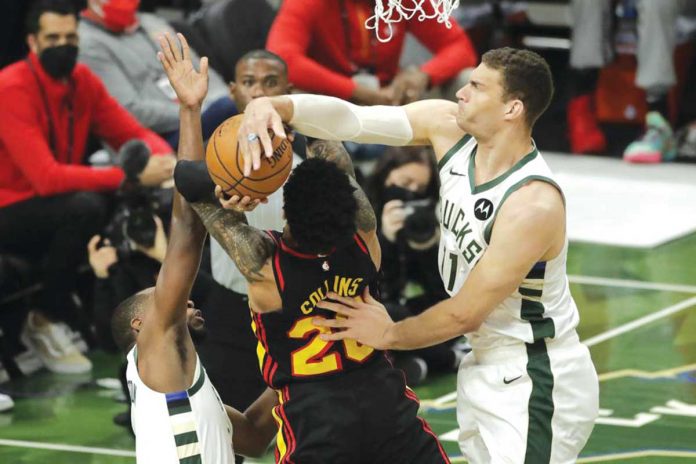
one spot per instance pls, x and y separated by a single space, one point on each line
483 209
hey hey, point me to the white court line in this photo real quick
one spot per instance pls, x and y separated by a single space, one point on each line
629 326
71 448
637 284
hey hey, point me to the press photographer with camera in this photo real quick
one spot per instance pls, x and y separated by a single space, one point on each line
403 190
51 201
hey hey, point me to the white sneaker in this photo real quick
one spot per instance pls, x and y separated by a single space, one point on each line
53 346
28 362
6 402
75 337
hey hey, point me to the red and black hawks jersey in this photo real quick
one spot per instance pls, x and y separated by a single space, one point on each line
289 347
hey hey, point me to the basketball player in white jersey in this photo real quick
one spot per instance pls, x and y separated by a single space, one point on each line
528 391
176 413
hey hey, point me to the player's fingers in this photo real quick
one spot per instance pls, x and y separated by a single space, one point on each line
333 323
204 66
336 336
168 50
277 126
346 301
247 158
167 58
164 62
184 46
244 202
218 192
338 308
176 52
92 245
266 143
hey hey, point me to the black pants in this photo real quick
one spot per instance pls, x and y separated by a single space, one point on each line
229 350
365 416
54 230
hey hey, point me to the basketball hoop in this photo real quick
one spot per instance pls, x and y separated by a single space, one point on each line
394 11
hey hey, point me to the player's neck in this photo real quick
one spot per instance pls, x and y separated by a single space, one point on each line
501 151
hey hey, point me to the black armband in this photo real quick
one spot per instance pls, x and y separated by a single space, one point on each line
193 181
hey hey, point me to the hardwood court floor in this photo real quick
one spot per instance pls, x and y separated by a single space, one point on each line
638 315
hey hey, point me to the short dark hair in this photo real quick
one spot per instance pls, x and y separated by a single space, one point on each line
319 206
39 7
526 76
129 309
261 54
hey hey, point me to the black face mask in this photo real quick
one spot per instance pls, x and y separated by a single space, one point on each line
59 62
394 192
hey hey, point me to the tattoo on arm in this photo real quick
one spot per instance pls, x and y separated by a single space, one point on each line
248 247
333 151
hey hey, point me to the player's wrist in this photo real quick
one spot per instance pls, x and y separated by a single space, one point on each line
190 108
391 337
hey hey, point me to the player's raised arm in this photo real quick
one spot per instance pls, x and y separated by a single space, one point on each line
187 233
427 122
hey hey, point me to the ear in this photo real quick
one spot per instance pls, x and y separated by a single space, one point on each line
514 109
232 86
32 43
136 324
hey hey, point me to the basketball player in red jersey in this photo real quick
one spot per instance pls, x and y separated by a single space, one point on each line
337 402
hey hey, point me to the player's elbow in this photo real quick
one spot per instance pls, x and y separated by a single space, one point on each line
464 322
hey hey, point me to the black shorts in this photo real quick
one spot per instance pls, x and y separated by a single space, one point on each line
366 416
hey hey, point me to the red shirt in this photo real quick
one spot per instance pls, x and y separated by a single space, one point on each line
28 166
310 35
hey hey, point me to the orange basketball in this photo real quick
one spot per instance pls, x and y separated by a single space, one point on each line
226 165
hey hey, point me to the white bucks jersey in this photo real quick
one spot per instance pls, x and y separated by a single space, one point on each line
542 306
186 427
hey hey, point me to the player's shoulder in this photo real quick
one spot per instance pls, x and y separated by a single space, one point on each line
536 200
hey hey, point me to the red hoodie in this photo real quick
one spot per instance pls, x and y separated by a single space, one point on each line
310 35
28 167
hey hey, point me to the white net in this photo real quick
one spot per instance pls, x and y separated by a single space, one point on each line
393 11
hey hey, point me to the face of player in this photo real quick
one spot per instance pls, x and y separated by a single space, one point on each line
194 318
482 110
258 78
411 176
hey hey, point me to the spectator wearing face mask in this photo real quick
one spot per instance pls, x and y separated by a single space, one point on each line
403 190
50 202
119 44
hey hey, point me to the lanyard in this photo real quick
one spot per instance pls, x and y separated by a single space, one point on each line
51 127
349 44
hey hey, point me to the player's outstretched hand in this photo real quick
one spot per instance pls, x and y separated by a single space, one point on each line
365 321
191 86
253 137
236 203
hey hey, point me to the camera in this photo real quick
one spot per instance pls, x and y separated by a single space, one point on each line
421 223
133 222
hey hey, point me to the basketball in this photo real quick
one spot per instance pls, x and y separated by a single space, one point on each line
226 164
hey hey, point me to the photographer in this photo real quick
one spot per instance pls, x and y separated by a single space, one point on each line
50 201
403 190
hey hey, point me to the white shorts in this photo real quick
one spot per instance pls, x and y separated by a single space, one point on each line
532 404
